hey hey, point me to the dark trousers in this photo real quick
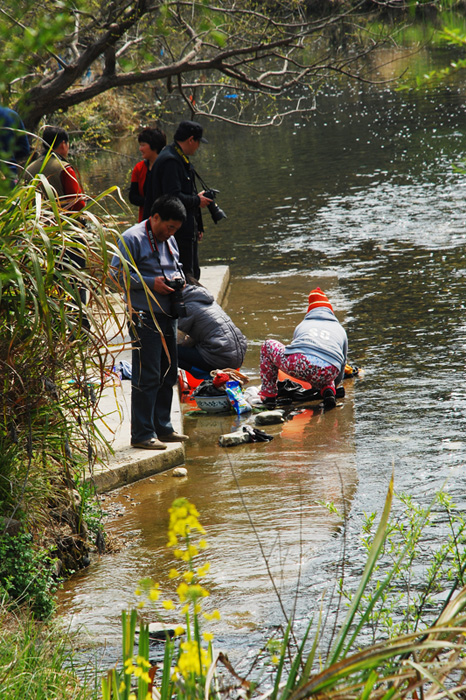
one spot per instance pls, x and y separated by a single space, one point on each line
189 256
189 357
153 376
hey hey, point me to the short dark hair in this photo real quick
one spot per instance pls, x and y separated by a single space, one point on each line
53 136
155 138
169 207
186 129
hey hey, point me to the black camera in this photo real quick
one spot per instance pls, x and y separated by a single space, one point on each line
216 213
176 298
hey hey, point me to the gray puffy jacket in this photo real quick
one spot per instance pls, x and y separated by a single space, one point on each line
216 337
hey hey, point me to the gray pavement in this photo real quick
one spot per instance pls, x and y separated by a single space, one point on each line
126 464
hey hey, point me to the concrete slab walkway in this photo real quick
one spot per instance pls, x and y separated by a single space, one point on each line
127 464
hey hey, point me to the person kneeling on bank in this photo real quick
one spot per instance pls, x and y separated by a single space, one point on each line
317 353
151 248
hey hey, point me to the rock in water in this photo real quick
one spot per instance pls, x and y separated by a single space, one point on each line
269 417
232 439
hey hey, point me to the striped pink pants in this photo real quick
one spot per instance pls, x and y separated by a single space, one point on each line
273 358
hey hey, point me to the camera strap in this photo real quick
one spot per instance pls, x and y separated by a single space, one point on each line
155 250
204 186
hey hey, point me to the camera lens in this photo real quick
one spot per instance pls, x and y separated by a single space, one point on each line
216 213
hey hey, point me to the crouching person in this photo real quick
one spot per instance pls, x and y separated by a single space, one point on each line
212 340
152 249
317 353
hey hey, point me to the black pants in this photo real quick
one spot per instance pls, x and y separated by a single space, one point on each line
189 256
153 376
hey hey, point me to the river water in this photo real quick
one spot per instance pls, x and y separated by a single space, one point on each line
364 201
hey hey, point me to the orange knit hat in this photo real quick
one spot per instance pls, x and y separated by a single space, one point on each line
318 298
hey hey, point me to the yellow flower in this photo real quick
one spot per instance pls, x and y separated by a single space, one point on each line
179 631
132 697
141 661
208 636
173 573
215 615
122 687
202 544
192 550
154 594
137 591
183 519
141 604
168 604
192 660
188 576
275 659
202 570
185 609
178 553
182 591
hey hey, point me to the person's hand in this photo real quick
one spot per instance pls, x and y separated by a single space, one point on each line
203 201
161 287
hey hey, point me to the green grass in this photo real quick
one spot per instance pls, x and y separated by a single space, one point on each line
36 662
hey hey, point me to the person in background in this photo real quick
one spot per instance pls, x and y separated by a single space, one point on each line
54 165
14 144
317 353
174 174
212 340
151 142
152 247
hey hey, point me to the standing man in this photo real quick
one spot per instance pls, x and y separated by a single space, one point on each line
173 174
64 180
152 256
57 170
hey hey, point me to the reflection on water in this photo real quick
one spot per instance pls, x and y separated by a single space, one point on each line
363 201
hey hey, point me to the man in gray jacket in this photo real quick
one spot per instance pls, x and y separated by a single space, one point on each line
317 354
148 281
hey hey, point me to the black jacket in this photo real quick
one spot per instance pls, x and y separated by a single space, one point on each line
171 174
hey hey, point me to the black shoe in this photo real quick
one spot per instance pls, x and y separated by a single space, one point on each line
329 399
269 402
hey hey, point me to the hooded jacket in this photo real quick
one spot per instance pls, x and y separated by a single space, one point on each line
321 335
219 342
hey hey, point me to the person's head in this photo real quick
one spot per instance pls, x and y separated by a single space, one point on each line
193 281
189 135
167 215
318 298
56 138
151 142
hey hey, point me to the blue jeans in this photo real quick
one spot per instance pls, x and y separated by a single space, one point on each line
153 376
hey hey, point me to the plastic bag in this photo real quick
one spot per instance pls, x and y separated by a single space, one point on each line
236 396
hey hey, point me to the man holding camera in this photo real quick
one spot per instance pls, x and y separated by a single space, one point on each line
152 257
173 174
